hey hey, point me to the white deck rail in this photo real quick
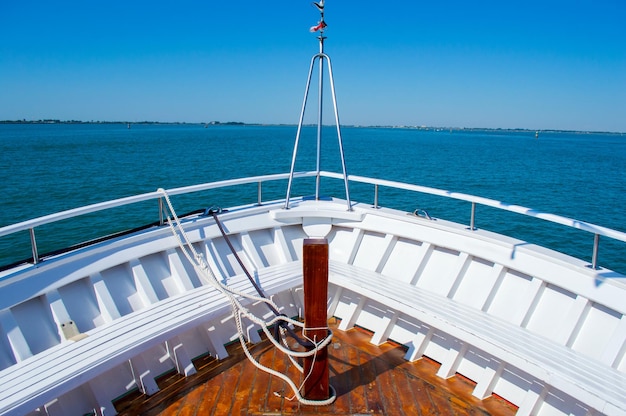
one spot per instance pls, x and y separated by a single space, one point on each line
596 230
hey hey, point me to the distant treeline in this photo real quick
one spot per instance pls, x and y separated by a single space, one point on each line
55 121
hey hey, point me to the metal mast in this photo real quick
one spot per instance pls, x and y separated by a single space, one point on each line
321 56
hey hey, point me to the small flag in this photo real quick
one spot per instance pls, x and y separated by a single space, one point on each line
320 6
321 25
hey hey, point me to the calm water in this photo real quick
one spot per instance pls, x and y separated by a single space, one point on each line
48 168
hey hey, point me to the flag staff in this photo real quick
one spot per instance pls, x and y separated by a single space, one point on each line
321 56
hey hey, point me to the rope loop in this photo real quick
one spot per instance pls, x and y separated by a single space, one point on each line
236 297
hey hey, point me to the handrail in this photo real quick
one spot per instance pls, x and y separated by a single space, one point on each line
597 230
115 203
569 222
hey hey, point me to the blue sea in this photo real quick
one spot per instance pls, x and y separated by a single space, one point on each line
47 168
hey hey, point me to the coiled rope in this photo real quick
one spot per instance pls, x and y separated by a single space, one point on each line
240 311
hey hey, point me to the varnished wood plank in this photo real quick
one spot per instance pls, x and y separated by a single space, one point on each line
404 391
354 376
315 283
209 400
340 371
244 388
189 406
370 379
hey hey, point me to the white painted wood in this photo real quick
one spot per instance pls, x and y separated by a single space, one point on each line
17 341
575 317
498 277
357 238
336 292
371 250
178 354
487 381
352 313
142 283
383 328
404 260
81 303
103 402
36 381
550 314
179 272
283 251
477 284
616 345
143 376
54 408
34 318
390 243
121 286
529 296
441 270
546 361
106 304
453 359
317 227
532 401
251 252
418 345
59 312
458 273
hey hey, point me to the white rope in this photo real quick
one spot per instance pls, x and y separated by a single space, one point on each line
239 310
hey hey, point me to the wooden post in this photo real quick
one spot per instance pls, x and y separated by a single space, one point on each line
315 271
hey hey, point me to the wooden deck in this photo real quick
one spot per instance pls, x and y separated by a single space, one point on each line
369 379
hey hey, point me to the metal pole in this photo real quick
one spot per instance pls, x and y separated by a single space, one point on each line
161 212
343 159
295 146
320 107
473 216
260 193
376 196
596 246
33 244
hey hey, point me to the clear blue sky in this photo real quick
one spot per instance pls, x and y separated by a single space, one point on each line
537 64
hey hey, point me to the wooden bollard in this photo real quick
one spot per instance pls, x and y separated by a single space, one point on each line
315 271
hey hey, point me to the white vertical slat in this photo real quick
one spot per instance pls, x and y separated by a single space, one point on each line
106 304
143 376
498 272
144 287
97 386
390 242
418 345
353 311
573 320
284 254
459 272
334 301
178 271
250 251
532 401
358 237
616 347
383 328
59 311
178 354
523 315
487 381
426 250
214 343
54 408
17 341
452 360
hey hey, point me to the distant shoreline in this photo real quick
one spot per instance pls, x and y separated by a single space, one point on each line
239 123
